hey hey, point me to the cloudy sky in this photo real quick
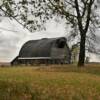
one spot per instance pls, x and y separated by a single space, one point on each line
13 36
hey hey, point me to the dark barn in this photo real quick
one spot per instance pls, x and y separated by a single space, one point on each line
44 51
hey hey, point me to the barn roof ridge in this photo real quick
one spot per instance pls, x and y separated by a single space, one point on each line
54 38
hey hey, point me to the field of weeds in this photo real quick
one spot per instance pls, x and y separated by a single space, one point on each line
56 82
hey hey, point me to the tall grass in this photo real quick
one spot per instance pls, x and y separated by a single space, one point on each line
56 82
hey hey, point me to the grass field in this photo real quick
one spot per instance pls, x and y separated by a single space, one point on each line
63 82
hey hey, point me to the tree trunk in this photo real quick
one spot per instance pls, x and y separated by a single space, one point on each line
82 50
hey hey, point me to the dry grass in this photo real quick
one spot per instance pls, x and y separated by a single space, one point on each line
63 82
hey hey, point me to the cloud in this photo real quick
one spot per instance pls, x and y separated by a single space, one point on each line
13 36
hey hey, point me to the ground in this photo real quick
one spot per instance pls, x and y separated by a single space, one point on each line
56 82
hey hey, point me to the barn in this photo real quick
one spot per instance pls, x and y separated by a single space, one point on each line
44 51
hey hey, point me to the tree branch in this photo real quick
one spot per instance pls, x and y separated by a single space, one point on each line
88 15
13 18
78 16
62 10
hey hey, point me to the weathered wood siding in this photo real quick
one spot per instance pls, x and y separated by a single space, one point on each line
58 53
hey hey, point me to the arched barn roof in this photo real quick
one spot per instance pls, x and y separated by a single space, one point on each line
39 48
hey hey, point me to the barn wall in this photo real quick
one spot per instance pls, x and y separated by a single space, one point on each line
59 53
68 54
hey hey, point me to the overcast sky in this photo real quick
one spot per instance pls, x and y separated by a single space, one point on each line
13 36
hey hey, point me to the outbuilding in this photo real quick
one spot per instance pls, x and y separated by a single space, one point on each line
44 51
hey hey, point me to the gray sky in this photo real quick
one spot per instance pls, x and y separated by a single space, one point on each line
11 42
13 36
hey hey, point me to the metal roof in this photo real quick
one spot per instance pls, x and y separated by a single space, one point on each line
39 48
